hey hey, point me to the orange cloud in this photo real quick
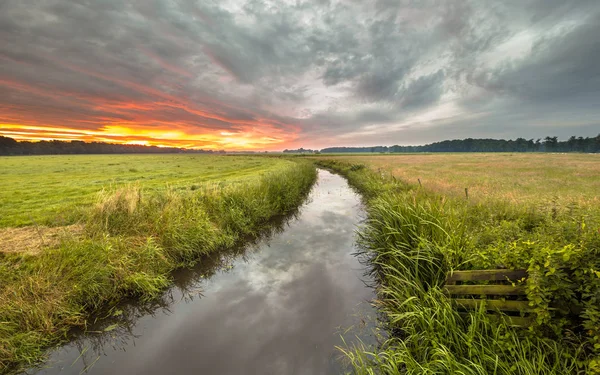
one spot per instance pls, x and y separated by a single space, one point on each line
154 117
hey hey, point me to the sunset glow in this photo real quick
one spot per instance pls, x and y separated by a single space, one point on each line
165 115
311 74
158 119
148 136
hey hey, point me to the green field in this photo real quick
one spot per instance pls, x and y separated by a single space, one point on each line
51 190
81 233
534 212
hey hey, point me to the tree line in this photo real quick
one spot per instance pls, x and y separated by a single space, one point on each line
300 151
9 146
548 144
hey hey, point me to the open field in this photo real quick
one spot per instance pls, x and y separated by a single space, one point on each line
52 190
539 213
531 178
137 218
123 224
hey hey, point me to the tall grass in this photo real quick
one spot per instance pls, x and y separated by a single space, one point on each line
413 237
133 240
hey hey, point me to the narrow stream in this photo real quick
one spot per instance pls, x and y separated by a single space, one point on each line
279 307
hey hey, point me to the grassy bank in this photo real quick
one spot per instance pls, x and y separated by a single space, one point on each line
415 235
131 238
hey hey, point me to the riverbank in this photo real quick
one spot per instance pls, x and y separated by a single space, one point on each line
280 305
414 236
132 239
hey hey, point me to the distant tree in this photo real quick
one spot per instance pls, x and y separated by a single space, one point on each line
549 144
7 142
301 150
9 146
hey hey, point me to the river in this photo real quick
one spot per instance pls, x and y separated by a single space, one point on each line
280 306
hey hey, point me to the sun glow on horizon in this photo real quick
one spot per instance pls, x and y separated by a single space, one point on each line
181 136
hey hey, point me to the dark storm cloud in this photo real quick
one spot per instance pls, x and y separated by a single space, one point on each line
425 90
309 73
559 67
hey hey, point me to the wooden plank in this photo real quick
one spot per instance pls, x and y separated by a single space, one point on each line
500 290
515 321
494 304
481 275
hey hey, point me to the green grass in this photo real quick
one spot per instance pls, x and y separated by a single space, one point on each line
133 237
55 190
414 235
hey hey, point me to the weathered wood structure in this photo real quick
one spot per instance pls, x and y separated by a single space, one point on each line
497 290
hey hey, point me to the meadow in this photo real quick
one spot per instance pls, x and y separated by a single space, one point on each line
53 190
107 228
518 178
536 212
80 233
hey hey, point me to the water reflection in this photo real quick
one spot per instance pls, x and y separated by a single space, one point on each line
277 307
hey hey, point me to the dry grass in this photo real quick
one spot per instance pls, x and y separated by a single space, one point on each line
516 178
32 240
127 199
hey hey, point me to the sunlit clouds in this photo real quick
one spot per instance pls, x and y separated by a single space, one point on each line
269 75
140 135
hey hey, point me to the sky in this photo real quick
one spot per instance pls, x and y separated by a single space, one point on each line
269 75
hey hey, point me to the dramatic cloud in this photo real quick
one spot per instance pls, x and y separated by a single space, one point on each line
261 74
